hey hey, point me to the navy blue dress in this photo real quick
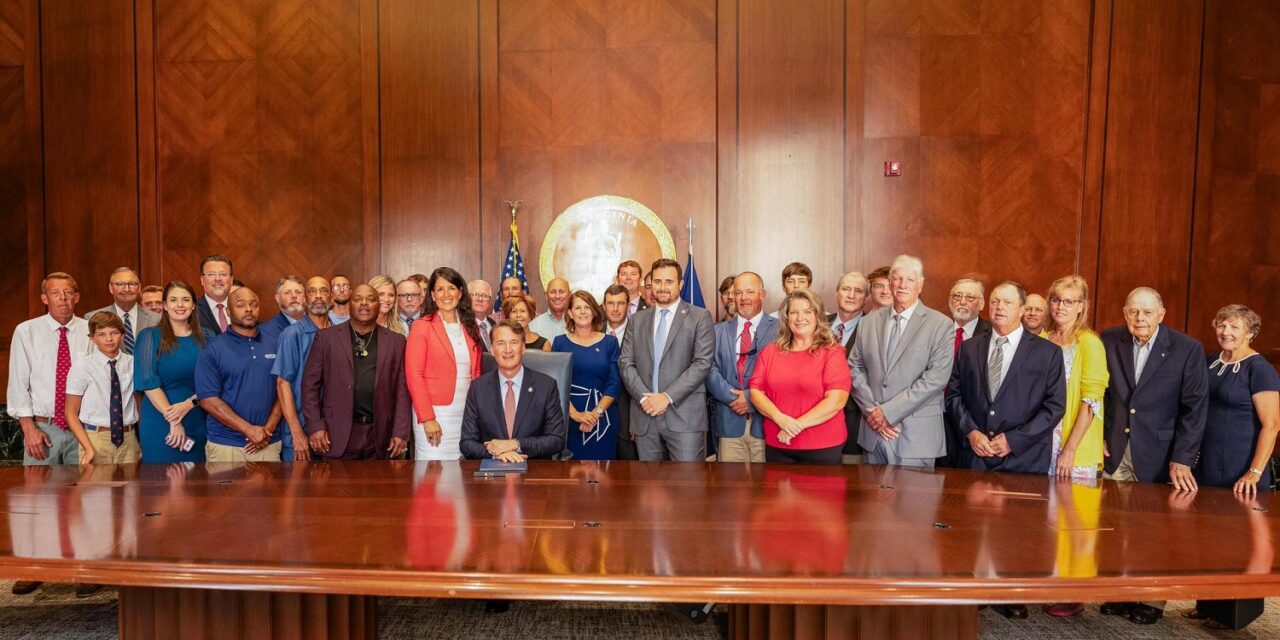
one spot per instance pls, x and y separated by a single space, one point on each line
1231 430
175 374
595 374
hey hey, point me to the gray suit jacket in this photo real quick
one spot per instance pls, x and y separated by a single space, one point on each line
909 388
145 318
686 360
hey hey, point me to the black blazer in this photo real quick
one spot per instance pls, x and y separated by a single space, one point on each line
1161 417
852 414
1030 403
981 328
207 319
540 425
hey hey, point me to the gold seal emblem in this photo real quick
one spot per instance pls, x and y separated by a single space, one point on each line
586 243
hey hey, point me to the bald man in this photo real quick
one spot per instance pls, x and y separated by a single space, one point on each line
551 322
235 387
1033 316
292 350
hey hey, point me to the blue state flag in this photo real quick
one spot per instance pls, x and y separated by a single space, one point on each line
514 264
691 291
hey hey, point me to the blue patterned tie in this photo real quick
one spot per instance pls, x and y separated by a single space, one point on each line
128 335
117 407
659 343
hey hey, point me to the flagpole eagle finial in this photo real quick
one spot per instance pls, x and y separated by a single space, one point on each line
514 206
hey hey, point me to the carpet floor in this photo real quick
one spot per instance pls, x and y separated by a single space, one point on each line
55 612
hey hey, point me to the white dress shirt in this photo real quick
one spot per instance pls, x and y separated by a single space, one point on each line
502 386
33 363
969 327
1006 358
902 324
91 379
213 309
618 332
657 317
737 334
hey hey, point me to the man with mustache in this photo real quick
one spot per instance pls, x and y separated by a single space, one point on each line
291 355
354 395
235 387
290 293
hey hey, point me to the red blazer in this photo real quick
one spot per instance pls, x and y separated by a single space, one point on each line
429 365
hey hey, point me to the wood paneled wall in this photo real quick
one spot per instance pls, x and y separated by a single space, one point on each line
1132 141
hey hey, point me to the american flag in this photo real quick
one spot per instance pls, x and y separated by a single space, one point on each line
514 265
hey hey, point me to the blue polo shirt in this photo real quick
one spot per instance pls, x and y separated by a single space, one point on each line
238 370
291 358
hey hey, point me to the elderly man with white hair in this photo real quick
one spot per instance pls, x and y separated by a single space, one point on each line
901 362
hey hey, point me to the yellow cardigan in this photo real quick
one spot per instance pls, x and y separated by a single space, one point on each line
1088 380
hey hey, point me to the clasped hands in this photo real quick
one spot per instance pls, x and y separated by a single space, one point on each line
878 423
505 450
997 447
788 428
655 404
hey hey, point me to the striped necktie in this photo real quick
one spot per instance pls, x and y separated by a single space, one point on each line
128 334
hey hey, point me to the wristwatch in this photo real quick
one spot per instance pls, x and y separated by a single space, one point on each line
195 402
599 411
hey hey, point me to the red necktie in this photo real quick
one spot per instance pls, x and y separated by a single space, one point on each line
509 408
744 346
60 380
222 319
959 339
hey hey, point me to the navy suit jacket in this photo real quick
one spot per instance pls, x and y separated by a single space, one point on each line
723 377
1161 417
207 319
1030 403
540 425
328 389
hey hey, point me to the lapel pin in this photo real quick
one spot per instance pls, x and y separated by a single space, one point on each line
530 389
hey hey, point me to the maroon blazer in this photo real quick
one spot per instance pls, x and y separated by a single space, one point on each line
328 389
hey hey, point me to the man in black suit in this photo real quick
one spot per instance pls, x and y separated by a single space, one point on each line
1007 392
628 276
851 303
1154 409
216 278
512 413
966 302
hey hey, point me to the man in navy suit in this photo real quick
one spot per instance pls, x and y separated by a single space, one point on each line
1007 392
737 426
512 413
216 278
1154 409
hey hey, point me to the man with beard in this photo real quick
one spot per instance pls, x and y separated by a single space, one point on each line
291 356
340 289
966 301
355 398
290 293
235 387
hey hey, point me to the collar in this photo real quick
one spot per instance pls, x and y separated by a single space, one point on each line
213 304
54 326
671 307
906 313
755 321
969 327
622 328
121 312
1014 336
1149 342
851 321
257 336
308 325
518 379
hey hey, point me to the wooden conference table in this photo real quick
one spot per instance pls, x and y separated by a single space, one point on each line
293 551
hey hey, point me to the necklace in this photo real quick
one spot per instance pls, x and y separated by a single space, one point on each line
362 344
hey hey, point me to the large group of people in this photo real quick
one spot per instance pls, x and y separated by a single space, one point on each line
384 368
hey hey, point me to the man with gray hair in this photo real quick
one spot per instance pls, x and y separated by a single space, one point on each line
966 301
126 289
1154 411
291 296
901 361
482 307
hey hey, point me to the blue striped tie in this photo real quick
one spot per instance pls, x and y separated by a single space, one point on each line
128 335
659 343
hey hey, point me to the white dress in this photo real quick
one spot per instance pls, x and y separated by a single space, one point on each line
449 416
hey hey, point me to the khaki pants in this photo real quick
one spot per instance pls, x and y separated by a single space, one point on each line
1124 473
745 448
223 453
106 453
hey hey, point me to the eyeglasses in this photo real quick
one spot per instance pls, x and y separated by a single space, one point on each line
481 296
340 286
409 296
126 285
62 295
216 274
1065 303
963 297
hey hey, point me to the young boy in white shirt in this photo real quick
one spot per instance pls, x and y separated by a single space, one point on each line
101 411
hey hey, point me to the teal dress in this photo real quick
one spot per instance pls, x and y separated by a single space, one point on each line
595 374
175 374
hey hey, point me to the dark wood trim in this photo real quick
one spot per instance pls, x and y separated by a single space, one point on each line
1088 258
791 622
200 614
33 84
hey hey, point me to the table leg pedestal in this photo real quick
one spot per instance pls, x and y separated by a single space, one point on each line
818 622
200 614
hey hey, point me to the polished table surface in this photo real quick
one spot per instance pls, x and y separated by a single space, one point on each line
854 535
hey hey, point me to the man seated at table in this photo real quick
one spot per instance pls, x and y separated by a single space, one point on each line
513 413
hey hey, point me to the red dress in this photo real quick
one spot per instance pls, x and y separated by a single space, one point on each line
796 381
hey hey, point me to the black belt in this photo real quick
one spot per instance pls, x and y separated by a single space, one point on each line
362 420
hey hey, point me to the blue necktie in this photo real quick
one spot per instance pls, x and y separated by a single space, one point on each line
128 335
659 343
117 407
